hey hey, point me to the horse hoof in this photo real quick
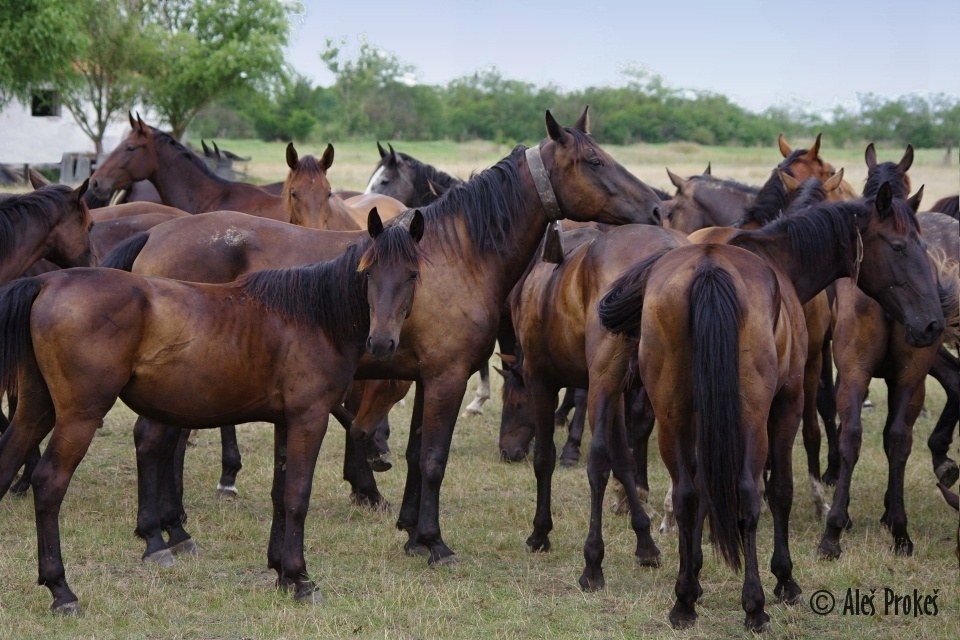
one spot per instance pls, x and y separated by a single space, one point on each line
903 548
227 492
947 473
568 463
444 561
788 593
535 545
648 560
757 622
682 620
309 594
67 610
592 584
163 558
828 550
380 463
414 549
186 548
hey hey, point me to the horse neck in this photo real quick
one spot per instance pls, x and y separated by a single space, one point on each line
343 217
809 277
32 242
182 184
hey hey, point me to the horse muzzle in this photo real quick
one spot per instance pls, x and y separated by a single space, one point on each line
381 347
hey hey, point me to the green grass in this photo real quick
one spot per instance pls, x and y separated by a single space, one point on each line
498 590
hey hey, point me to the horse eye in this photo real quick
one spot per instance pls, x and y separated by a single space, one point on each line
293 194
595 161
899 247
131 147
414 275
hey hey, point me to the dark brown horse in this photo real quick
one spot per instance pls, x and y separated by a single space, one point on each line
560 337
51 222
871 343
195 356
722 363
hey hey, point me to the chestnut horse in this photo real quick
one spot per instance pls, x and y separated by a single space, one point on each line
196 356
722 363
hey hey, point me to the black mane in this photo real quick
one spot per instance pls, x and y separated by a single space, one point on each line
167 139
423 175
35 207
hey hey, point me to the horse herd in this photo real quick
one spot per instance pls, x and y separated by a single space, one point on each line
716 311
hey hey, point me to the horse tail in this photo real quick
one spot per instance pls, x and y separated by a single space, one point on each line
16 301
620 307
125 254
715 316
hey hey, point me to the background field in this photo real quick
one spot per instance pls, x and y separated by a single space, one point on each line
498 590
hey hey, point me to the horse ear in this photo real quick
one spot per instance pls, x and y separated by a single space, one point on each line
393 154
206 149
82 189
140 125
383 152
709 170
292 157
554 130
677 181
327 159
915 199
785 149
870 156
583 122
133 123
416 225
790 182
216 151
814 151
374 223
884 200
906 161
833 182
36 178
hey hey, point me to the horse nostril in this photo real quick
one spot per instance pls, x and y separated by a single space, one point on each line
656 214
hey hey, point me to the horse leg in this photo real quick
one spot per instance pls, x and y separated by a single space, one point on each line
752 598
475 408
827 408
850 394
781 433
305 436
571 449
604 410
21 439
277 489
442 396
811 433
690 515
68 445
567 403
357 469
946 371
230 463
409 516
156 448
640 421
905 402
378 448
542 399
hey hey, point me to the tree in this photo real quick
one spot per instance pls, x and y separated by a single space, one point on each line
203 50
38 38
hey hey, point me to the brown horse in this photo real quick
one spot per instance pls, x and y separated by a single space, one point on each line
195 356
51 222
310 202
182 178
554 309
722 363
807 163
870 343
949 205
222 246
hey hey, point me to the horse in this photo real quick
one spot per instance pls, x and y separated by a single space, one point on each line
222 246
412 182
868 343
706 201
949 205
250 353
417 184
310 201
721 354
559 338
181 177
51 222
807 163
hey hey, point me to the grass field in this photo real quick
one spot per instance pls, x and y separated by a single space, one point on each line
498 590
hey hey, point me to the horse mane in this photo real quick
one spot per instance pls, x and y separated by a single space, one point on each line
722 183
769 203
809 193
663 195
947 269
35 205
328 295
424 174
490 204
949 205
179 148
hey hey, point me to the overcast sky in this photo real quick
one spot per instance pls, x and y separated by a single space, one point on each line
810 54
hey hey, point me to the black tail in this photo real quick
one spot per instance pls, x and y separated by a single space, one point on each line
715 316
124 254
620 307
16 300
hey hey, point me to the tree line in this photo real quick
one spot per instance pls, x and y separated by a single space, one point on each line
216 68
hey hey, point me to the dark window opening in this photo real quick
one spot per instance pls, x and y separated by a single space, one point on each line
45 103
